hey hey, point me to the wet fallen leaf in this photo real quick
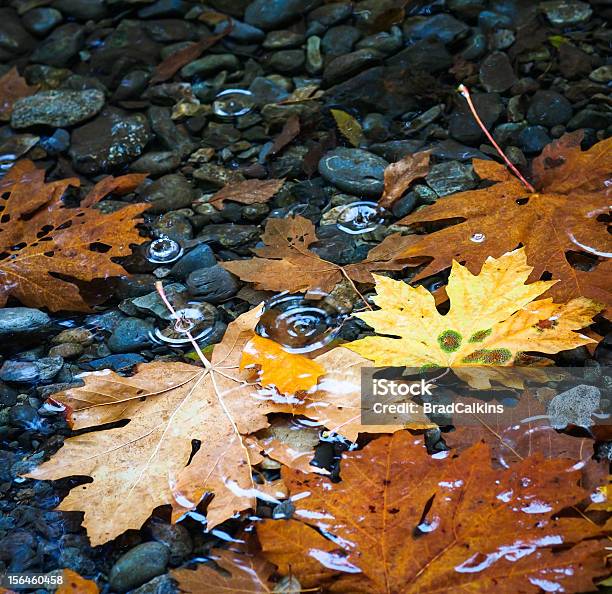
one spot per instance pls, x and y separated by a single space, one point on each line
402 521
142 465
566 217
492 319
112 185
291 444
287 372
288 134
12 87
240 572
349 127
247 192
73 583
174 62
336 401
399 176
602 501
286 263
40 239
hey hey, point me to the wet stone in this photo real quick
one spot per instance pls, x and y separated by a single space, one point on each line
603 74
533 139
112 139
229 234
427 55
272 14
354 170
209 65
590 118
170 192
496 73
115 362
42 370
14 39
385 42
164 9
199 257
40 21
464 128
213 284
60 47
287 61
130 335
162 584
475 47
152 303
23 416
443 27
340 40
138 565
566 12
66 351
156 163
174 536
549 108
283 39
328 15
344 67
56 108
83 10
167 132
22 321
573 62
451 177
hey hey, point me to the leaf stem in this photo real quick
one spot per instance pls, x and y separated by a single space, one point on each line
465 93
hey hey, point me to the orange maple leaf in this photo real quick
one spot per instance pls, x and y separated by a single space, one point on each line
403 521
42 242
562 227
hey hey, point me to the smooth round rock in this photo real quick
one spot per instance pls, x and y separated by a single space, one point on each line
214 284
496 73
355 171
549 108
140 564
22 321
40 21
112 139
533 139
56 108
130 335
271 14
199 257
170 192
58 49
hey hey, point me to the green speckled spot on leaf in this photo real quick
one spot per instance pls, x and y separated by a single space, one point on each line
480 335
450 341
489 356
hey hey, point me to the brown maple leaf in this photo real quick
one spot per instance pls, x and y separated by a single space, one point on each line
564 218
250 191
142 465
239 572
42 243
286 263
403 521
399 176
12 87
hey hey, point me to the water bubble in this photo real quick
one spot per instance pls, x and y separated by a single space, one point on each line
478 237
360 217
233 103
300 325
164 251
196 317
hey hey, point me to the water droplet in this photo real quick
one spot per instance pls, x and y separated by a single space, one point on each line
164 251
478 237
233 103
360 217
300 325
198 318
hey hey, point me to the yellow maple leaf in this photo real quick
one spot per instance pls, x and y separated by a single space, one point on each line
493 318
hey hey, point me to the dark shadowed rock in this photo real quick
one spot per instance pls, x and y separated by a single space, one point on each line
496 73
354 170
112 139
464 128
63 44
271 14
